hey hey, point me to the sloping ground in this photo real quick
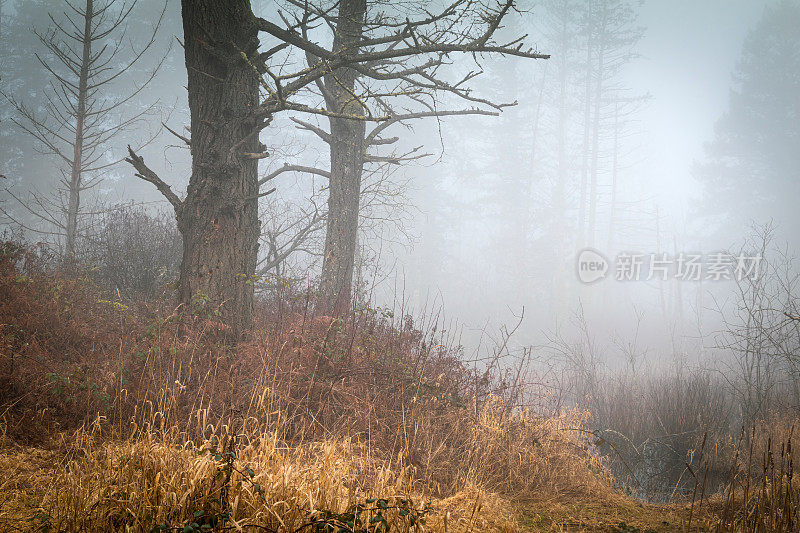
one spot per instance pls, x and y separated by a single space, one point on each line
145 486
131 416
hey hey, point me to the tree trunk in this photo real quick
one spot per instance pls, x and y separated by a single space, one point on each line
75 180
343 205
598 104
219 218
347 161
559 285
612 221
587 106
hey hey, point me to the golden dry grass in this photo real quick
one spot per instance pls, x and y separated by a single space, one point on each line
91 484
132 416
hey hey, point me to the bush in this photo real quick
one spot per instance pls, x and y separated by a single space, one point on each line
135 252
56 335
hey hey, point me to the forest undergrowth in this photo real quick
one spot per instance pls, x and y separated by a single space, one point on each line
129 414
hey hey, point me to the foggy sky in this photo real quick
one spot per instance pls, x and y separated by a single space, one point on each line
687 56
689 51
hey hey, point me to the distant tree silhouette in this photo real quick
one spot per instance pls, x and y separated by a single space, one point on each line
752 167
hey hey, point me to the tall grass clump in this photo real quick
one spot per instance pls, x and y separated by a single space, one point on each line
124 414
762 492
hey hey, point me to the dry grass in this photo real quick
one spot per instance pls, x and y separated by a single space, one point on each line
128 416
142 483
89 483
123 415
762 492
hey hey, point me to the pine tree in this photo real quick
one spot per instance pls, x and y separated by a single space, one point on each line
78 117
752 167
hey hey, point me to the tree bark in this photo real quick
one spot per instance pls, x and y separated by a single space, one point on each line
347 161
219 217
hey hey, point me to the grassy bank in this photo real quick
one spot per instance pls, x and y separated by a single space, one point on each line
131 415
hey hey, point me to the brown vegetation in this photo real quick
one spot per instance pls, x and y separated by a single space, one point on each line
127 414
121 414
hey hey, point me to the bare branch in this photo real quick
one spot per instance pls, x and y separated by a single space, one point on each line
322 134
178 135
396 159
373 135
145 173
293 168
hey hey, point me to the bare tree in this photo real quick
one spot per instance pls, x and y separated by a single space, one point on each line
285 235
233 94
611 32
400 94
761 328
291 232
80 117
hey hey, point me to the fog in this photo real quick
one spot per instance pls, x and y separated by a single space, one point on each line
476 232
484 276
563 214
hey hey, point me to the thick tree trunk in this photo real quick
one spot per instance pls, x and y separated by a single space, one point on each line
219 218
347 161
347 155
75 181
